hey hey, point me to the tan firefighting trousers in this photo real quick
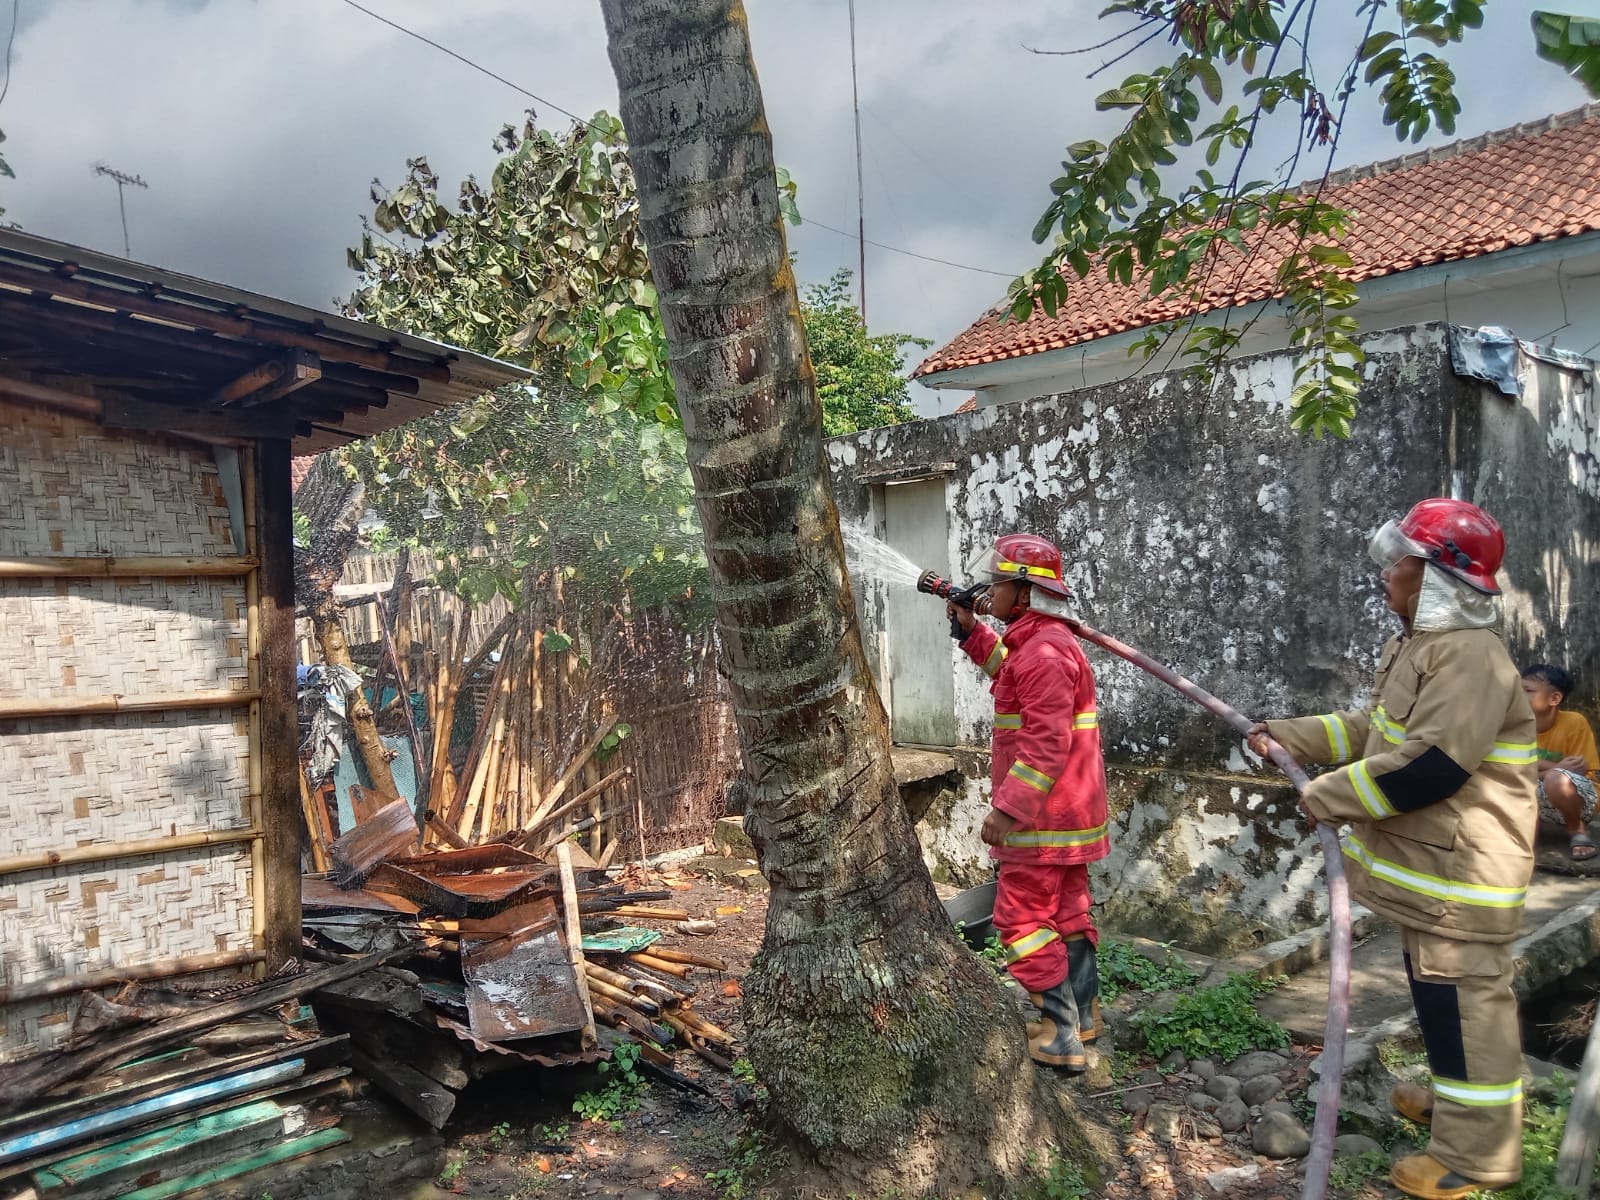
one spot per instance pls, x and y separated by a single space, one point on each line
1468 1015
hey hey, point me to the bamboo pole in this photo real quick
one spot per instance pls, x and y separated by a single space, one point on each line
608 991
317 831
83 406
189 964
568 776
163 566
569 901
655 964
667 954
528 833
642 912
19 707
252 617
104 851
480 736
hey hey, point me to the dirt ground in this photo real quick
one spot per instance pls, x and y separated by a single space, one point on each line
521 1138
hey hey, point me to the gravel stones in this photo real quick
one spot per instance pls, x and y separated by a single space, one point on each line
1232 1115
1261 1088
1223 1087
1278 1136
1353 1145
1257 1062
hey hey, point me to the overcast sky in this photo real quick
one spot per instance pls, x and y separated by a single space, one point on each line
259 125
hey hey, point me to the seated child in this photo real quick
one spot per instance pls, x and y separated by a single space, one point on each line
1567 758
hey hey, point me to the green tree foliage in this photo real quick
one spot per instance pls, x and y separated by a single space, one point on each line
586 468
1127 208
861 377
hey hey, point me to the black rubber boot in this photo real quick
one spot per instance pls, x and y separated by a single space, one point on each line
1083 973
1056 1043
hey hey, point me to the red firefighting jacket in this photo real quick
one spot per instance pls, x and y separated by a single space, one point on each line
1046 767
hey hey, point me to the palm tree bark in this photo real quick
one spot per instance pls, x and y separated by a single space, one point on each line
893 1058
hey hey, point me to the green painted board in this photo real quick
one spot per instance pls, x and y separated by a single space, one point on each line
626 939
283 1152
138 1155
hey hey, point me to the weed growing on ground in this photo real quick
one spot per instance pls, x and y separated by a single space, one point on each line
749 1161
1349 1175
1399 1061
1058 1179
452 1172
500 1136
553 1134
743 1071
621 1094
1124 969
1542 1124
1215 1022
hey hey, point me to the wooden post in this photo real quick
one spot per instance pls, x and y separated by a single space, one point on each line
280 760
569 902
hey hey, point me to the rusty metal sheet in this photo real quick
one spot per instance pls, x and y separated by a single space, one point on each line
319 893
546 1056
519 982
478 896
390 831
473 858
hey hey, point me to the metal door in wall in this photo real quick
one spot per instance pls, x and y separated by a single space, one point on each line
921 685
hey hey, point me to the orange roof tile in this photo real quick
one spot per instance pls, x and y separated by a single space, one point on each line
970 404
299 468
1532 183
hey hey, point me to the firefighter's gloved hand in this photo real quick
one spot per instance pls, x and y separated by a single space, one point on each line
961 621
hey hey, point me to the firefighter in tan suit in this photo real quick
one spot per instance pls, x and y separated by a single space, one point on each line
1436 778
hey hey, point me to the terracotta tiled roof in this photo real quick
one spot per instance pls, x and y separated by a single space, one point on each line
299 468
970 404
1531 183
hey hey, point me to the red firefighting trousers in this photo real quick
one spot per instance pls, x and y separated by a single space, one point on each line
1037 907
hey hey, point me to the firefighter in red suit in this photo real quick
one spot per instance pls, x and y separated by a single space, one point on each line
1047 820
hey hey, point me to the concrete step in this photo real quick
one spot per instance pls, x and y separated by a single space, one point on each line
1557 905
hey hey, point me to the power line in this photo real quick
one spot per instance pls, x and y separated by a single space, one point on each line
861 187
11 40
944 262
461 58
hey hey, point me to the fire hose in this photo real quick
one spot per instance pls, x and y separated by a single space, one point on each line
1331 1066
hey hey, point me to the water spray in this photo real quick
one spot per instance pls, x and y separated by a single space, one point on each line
1331 1067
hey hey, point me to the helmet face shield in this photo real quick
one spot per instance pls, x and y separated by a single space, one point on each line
1389 546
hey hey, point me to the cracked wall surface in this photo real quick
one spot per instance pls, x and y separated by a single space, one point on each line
1198 526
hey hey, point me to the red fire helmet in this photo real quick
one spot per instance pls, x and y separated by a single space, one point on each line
1022 556
1457 537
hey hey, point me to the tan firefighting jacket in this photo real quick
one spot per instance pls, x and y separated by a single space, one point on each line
1439 786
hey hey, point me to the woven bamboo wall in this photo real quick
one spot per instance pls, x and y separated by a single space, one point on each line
69 488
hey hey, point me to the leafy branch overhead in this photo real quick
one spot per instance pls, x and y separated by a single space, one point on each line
586 470
1238 65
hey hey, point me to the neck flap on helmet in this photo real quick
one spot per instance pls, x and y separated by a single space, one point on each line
1444 603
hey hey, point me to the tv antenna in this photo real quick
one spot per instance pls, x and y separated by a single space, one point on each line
123 179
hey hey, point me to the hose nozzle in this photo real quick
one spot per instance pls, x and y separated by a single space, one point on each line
962 597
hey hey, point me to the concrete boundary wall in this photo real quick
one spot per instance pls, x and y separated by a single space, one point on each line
1200 527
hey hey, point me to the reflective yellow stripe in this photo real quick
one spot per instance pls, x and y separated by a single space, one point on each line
1034 838
1515 753
1393 732
1007 720
1372 797
1086 720
1006 565
1034 779
1029 943
1478 1095
1338 739
991 665
1477 894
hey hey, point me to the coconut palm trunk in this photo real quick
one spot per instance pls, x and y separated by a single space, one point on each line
893 1058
